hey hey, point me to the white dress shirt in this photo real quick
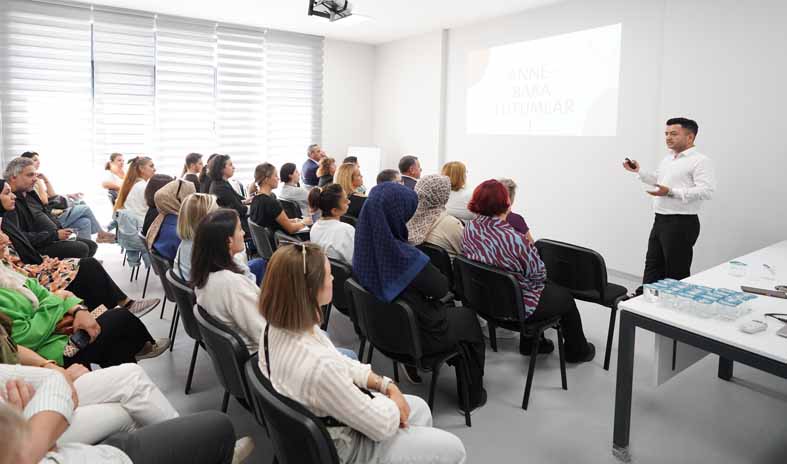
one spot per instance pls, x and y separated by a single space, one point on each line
296 194
336 238
689 176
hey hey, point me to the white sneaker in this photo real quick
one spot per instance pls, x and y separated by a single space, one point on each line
243 448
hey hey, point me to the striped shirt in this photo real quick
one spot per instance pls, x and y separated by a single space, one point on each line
306 368
494 242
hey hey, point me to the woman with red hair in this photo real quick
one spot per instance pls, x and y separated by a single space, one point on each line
491 240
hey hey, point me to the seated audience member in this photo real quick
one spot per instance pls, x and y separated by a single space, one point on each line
70 211
219 283
265 210
334 236
114 175
431 223
84 277
389 175
325 171
354 160
42 230
389 268
43 321
491 240
204 177
382 427
350 178
314 154
162 235
220 171
156 183
516 221
68 411
410 168
132 193
460 196
291 190
192 169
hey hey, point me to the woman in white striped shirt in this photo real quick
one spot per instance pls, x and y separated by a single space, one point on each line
302 364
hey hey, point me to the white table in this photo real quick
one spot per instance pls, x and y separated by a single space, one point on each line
765 350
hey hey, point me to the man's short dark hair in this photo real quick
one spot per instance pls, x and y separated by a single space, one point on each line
29 154
387 175
686 123
406 163
350 159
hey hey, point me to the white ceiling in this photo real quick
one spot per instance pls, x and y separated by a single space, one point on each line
390 19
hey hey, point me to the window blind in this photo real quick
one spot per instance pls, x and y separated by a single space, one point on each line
124 67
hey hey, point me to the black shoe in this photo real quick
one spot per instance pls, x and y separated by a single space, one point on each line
411 374
587 357
544 347
477 405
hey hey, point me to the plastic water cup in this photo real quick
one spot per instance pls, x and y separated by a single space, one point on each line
705 307
651 292
737 268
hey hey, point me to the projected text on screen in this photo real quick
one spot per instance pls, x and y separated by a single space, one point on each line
561 85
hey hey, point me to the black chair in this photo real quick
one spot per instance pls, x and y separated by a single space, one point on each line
440 258
349 220
495 295
341 299
291 209
297 435
263 240
161 266
281 237
391 328
186 299
228 354
584 273
137 267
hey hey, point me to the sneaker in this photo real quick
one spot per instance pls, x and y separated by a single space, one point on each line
243 449
546 346
411 374
141 307
588 356
155 349
105 237
477 406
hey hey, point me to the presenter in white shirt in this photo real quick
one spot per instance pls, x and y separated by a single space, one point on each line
683 181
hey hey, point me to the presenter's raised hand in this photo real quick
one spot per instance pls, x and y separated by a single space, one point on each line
631 165
661 192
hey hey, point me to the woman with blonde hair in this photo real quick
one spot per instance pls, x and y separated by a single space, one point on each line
368 417
349 177
460 196
325 171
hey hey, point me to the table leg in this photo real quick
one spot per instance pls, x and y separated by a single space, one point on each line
725 368
625 379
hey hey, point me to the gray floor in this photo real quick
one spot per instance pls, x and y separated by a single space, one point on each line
694 418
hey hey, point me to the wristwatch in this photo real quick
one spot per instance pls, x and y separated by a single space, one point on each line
385 382
79 308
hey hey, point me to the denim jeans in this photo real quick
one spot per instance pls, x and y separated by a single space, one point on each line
81 219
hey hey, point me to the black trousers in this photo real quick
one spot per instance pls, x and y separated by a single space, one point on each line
462 328
79 248
670 247
95 286
122 336
206 437
558 301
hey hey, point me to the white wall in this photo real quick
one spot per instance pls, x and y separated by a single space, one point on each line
407 93
347 117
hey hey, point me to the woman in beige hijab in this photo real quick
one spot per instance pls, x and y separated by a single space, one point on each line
431 223
163 232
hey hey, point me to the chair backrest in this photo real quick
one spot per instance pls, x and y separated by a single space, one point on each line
291 209
349 220
185 299
262 239
492 292
161 266
581 270
112 195
440 259
227 352
297 435
281 237
341 272
390 327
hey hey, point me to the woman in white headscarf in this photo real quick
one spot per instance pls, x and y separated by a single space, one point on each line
431 223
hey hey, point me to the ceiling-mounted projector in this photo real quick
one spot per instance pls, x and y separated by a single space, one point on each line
331 9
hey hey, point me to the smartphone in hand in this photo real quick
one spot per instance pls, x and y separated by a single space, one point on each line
80 339
630 163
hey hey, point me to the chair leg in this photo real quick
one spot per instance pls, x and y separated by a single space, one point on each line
610 335
396 371
465 373
191 366
163 303
175 322
433 384
145 288
371 352
562 353
531 369
132 274
225 402
492 335
124 257
362 349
